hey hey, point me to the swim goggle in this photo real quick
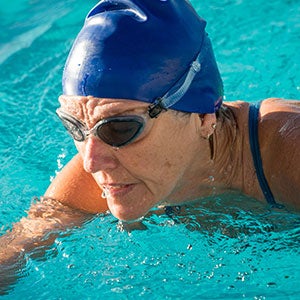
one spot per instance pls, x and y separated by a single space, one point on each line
115 131
122 130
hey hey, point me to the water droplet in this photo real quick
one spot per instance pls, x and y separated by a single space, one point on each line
103 195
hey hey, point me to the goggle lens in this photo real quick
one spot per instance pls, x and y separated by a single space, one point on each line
115 131
120 132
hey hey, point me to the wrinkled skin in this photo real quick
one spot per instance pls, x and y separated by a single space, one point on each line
170 162
159 165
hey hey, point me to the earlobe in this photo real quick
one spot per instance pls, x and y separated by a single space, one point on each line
208 125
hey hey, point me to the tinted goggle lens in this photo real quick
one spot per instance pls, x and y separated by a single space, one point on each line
114 131
120 132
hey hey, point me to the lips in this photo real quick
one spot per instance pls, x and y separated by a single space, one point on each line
117 189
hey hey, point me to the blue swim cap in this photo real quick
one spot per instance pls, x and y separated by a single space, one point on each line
146 50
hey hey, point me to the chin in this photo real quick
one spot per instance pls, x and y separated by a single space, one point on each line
130 206
126 214
128 217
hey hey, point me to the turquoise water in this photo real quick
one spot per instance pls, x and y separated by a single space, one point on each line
229 247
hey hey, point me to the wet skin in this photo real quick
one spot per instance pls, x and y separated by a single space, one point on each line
158 165
171 161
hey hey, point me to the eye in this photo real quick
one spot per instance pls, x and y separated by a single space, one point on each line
119 132
73 129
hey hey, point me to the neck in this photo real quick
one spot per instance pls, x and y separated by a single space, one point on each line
212 169
226 157
227 170
232 157
225 164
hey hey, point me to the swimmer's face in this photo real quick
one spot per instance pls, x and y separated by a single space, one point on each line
150 170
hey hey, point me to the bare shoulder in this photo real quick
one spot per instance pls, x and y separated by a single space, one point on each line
74 187
280 119
279 136
280 105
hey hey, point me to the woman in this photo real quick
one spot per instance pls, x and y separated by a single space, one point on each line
142 98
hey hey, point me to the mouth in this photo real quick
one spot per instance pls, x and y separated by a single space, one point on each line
113 190
122 200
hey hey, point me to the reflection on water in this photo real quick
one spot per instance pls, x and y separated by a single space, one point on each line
229 246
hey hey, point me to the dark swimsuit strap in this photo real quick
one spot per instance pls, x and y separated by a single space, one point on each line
254 145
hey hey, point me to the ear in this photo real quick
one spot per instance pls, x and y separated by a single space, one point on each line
208 125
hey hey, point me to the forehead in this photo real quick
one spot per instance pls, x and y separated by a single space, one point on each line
79 105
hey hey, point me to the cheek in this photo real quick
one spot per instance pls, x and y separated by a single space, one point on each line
159 164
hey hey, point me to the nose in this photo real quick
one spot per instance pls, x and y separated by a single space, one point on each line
97 156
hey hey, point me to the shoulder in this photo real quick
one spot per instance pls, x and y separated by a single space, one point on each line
76 188
280 119
273 105
279 137
279 140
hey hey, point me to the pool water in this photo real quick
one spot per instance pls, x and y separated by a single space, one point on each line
229 247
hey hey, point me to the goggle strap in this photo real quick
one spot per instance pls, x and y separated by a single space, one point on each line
168 99
156 108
